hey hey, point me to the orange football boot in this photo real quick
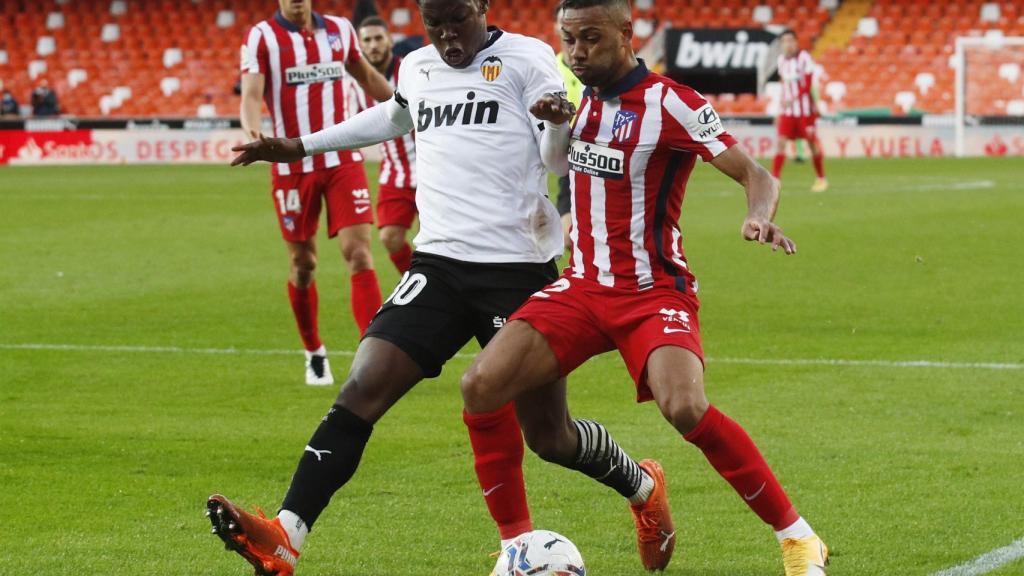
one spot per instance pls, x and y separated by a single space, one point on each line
261 541
655 532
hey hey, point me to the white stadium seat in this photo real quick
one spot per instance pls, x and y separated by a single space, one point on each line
55 21
46 45
4 58
35 68
1010 72
110 33
170 85
172 56
836 91
763 14
829 4
76 76
867 27
206 111
1015 107
401 17
924 81
107 104
121 93
645 5
643 28
906 100
118 8
990 12
225 19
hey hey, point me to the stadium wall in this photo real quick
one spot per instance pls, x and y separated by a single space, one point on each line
65 141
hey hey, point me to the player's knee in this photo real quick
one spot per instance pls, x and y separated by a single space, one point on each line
303 267
393 238
685 410
479 391
358 256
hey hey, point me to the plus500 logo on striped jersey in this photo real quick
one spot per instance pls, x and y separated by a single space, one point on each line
313 73
596 160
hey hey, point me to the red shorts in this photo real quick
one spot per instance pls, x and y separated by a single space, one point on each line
396 206
798 127
298 197
581 319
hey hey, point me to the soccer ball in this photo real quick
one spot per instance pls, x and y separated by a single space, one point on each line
540 553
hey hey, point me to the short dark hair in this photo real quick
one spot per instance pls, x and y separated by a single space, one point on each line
373 21
591 3
788 32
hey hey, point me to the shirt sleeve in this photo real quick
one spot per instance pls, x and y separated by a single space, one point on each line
692 125
354 54
254 53
542 75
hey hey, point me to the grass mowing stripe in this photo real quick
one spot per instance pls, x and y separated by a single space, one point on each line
987 562
350 353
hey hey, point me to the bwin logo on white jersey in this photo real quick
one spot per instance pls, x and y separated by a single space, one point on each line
463 113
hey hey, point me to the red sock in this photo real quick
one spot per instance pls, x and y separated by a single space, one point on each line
819 165
780 159
304 305
365 298
733 454
498 450
402 259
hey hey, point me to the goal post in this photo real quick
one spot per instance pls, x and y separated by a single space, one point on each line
989 75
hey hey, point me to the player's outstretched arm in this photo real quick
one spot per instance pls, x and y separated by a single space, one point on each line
381 123
762 198
556 112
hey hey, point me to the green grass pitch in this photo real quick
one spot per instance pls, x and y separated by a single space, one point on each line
107 456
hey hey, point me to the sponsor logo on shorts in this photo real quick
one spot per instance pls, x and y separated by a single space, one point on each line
289 223
679 321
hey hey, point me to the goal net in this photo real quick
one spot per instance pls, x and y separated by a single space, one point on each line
989 92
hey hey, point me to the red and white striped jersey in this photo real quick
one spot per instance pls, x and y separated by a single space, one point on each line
304 71
398 156
797 77
632 151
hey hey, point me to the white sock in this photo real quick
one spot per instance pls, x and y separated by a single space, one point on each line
321 351
294 527
646 487
798 529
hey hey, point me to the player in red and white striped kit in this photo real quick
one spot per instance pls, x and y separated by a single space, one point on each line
635 141
295 63
396 198
799 113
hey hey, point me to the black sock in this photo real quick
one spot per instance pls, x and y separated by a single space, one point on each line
328 463
599 457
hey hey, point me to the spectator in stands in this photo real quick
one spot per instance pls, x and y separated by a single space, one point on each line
44 100
9 106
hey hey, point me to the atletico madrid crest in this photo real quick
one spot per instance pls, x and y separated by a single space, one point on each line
623 126
491 68
335 41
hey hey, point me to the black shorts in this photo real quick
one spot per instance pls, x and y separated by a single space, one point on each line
441 303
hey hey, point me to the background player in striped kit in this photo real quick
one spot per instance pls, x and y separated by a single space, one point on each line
798 116
295 63
396 198
635 142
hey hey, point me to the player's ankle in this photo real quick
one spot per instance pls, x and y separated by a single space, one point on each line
798 529
294 527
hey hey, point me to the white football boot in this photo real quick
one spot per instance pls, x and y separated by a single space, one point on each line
318 368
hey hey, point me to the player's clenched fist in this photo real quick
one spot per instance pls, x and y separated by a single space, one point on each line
554 108
764 231
269 150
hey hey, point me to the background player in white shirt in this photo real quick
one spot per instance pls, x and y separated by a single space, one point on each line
295 61
488 239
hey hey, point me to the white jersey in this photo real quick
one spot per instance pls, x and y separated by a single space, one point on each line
482 186
797 76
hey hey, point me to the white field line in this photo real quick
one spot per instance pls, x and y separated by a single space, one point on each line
987 562
349 353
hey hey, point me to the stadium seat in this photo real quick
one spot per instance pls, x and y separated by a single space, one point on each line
1010 72
111 33
118 8
762 14
225 19
169 85
990 12
76 76
172 57
45 46
4 58
1015 107
836 91
867 27
37 68
906 100
924 81
55 21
